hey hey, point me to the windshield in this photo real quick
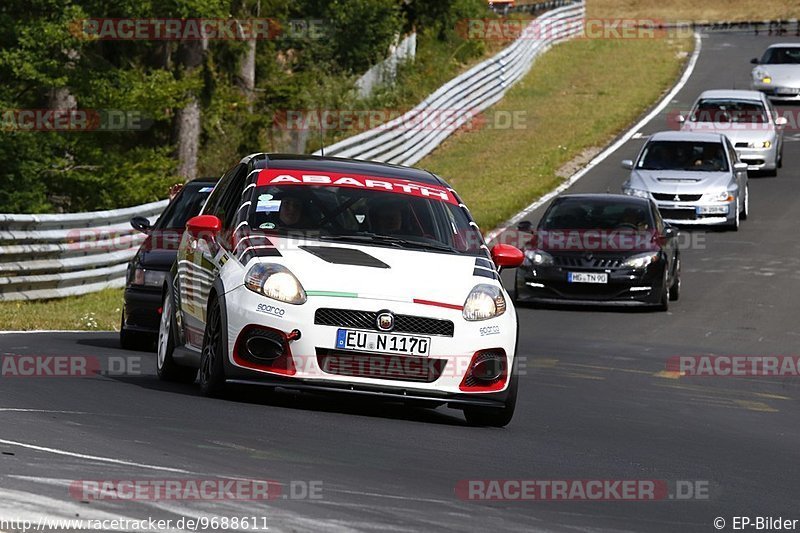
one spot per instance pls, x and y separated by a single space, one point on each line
371 217
719 110
684 155
781 56
186 205
580 214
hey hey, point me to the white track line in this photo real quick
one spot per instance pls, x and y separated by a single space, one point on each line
602 156
15 332
93 457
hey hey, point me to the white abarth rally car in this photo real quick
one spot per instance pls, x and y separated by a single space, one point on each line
335 275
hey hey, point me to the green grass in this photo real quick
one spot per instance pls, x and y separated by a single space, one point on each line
97 311
579 95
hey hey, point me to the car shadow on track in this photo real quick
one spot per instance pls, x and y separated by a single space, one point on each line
306 401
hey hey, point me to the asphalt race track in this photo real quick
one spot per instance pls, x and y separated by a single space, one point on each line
595 403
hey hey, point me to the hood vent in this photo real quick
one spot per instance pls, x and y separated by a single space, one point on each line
344 256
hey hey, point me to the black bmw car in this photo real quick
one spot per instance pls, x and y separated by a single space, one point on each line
600 249
147 270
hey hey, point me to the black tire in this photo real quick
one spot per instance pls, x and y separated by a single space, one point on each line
495 416
212 369
166 367
746 203
513 292
663 302
734 226
780 158
135 340
675 288
127 340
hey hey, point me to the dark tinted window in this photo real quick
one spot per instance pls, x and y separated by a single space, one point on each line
593 214
187 204
781 56
370 217
684 155
719 110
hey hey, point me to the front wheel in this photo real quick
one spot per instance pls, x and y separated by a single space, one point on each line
166 367
212 370
746 203
675 288
494 416
734 226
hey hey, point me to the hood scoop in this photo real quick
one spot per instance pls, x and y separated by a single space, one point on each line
679 180
344 256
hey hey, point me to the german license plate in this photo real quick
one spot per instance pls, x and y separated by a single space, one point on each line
712 210
787 90
369 341
587 277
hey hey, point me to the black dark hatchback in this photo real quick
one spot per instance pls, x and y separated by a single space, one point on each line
147 270
600 249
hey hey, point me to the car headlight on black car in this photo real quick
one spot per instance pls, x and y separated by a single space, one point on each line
641 260
539 258
148 278
484 302
276 282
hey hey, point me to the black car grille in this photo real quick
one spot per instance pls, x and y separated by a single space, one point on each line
741 145
678 214
677 197
380 366
584 261
348 318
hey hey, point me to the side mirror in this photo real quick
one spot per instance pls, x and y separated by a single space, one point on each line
740 166
204 226
670 232
781 121
627 164
140 224
754 61
505 255
680 119
525 225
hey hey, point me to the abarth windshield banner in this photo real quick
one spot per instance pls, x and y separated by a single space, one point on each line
281 177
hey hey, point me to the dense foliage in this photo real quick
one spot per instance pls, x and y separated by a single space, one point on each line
49 61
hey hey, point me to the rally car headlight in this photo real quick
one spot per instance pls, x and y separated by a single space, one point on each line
276 282
635 192
539 258
762 76
149 278
761 144
641 260
722 196
484 302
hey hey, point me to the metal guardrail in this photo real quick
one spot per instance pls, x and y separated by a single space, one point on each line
53 256
410 137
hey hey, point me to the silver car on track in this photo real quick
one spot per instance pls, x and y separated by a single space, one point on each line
694 178
748 119
777 72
